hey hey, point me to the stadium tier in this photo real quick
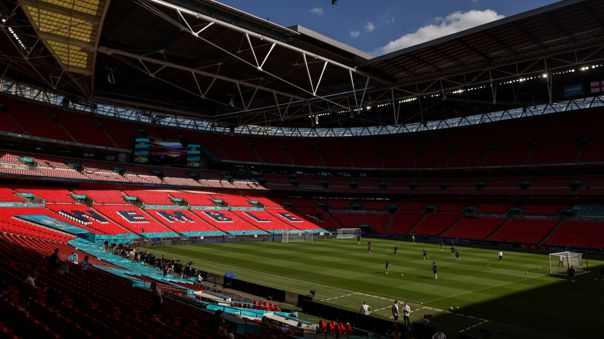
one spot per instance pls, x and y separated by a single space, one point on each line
539 141
529 231
473 228
79 305
228 222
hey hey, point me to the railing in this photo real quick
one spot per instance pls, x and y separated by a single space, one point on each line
30 92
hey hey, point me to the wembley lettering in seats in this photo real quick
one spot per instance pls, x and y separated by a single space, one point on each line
217 216
84 217
289 217
255 217
171 217
133 217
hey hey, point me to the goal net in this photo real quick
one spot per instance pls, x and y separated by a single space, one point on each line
348 233
296 236
560 262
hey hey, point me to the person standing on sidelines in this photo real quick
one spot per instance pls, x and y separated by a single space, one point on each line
395 313
435 270
365 309
406 314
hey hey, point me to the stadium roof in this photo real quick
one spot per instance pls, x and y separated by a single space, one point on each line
203 59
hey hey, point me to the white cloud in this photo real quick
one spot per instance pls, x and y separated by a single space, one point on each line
355 34
452 23
370 26
317 11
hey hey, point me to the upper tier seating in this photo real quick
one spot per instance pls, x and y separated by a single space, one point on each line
547 139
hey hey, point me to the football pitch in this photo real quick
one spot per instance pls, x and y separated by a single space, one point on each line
478 296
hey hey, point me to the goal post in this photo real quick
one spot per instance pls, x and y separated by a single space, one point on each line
296 236
560 262
348 233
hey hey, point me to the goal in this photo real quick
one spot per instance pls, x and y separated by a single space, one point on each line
348 233
560 262
296 236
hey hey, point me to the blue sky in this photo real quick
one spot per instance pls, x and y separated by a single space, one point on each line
381 26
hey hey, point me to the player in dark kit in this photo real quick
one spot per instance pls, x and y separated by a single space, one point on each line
435 270
369 246
424 253
387 267
395 251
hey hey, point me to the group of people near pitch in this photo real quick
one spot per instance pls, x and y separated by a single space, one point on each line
404 308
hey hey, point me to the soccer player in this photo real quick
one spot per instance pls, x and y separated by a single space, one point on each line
413 237
395 251
406 313
358 239
424 253
560 261
571 273
365 309
369 246
435 270
387 266
500 255
457 256
452 248
442 244
395 310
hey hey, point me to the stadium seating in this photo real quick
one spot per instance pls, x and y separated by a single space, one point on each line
97 304
87 218
403 221
376 221
264 221
49 195
529 231
135 219
184 222
436 223
578 233
103 196
473 228
7 194
151 197
227 222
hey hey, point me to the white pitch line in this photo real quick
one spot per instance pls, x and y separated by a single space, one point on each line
484 321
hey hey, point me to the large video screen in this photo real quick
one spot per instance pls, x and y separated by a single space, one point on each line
163 152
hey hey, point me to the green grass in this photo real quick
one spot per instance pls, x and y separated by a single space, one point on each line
516 298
